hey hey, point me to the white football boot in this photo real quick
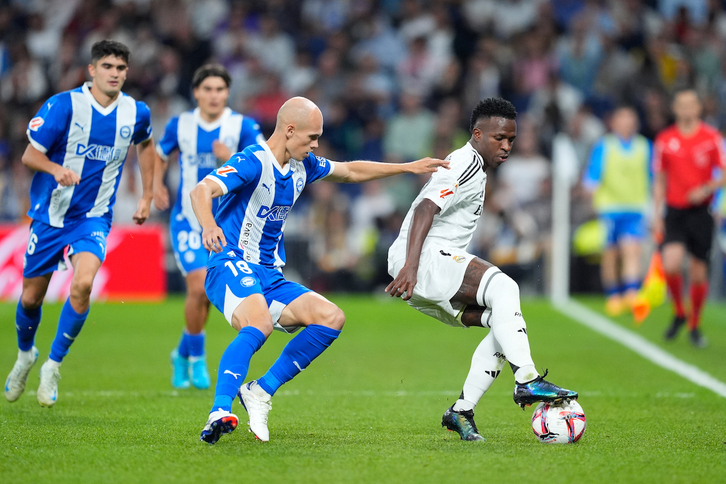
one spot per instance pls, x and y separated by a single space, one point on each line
15 383
258 404
48 388
220 422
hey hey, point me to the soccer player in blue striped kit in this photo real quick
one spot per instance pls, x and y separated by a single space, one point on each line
78 144
258 187
205 137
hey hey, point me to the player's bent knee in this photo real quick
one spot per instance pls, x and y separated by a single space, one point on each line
494 285
331 316
81 288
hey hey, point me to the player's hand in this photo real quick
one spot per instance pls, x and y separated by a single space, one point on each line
427 165
220 150
142 211
402 286
161 197
213 239
66 177
698 195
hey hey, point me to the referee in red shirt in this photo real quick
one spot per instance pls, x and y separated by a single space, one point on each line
689 164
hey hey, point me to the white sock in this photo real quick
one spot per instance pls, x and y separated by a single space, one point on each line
25 357
486 364
499 292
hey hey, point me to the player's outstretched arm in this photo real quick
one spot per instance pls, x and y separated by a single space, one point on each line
37 161
147 157
423 216
362 171
161 193
202 196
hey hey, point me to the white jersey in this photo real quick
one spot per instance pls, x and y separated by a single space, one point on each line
459 192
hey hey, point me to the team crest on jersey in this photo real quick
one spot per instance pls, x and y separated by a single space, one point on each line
247 281
674 144
35 123
225 170
125 132
459 258
299 185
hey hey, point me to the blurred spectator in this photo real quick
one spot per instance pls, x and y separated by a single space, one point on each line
409 133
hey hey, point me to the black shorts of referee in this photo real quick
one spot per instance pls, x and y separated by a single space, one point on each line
692 227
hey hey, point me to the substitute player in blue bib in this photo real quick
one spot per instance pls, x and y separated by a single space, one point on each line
258 187
78 145
205 138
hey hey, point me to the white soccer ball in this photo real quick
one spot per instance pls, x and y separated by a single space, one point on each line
559 423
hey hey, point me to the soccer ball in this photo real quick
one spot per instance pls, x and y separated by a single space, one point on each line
559 423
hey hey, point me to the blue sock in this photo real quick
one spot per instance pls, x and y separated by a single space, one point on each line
630 286
26 324
69 325
195 344
234 365
183 348
297 355
613 290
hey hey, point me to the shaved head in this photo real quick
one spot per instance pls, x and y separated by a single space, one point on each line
299 125
300 112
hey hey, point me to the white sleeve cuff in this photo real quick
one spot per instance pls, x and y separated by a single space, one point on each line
219 182
160 152
36 145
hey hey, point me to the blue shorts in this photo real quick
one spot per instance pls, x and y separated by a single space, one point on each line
233 279
621 226
186 242
46 244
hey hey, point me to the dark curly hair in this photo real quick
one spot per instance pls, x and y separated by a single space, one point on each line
493 107
104 48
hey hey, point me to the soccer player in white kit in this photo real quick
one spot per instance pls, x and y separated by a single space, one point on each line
435 274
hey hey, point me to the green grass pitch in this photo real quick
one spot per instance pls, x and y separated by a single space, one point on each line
368 410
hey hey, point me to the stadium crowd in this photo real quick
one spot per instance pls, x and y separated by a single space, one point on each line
395 80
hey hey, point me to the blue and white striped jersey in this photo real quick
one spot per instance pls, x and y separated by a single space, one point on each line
258 196
193 137
75 131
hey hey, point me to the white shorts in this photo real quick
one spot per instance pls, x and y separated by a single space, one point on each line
440 274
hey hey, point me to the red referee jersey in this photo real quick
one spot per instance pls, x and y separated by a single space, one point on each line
687 161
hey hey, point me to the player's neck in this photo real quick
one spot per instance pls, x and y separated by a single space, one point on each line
210 117
102 98
277 146
688 127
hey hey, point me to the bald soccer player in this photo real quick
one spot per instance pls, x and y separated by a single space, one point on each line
257 189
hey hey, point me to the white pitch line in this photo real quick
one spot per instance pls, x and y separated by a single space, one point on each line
640 345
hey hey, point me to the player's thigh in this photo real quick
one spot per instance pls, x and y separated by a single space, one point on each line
472 279
235 290
312 308
195 283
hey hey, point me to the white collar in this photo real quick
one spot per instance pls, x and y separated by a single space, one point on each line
275 163
207 126
86 88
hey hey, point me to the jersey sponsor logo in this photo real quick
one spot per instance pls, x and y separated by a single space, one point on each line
35 123
445 192
204 160
321 161
125 132
226 170
247 281
274 214
99 152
